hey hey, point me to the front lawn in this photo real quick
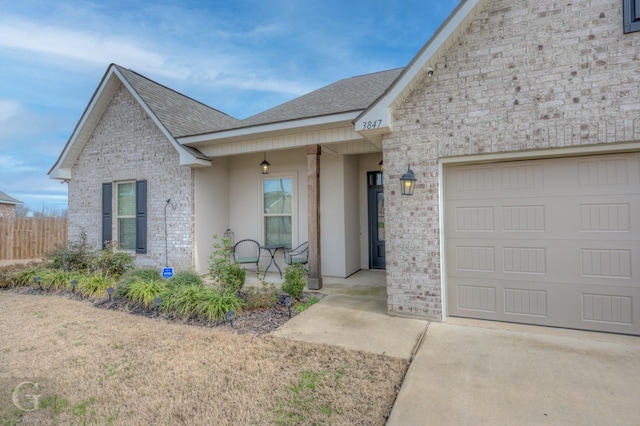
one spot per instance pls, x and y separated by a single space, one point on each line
99 366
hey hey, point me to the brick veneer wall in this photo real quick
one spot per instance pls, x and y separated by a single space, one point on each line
525 75
7 210
127 145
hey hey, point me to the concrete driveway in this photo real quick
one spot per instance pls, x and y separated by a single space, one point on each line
469 372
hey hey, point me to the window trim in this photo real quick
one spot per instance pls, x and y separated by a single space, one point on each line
631 15
117 216
294 205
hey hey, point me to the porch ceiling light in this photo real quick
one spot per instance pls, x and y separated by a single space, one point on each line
381 166
408 181
264 166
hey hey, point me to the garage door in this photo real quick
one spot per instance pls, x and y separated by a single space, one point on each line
549 242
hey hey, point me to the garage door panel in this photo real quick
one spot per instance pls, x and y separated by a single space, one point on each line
549 242
549 304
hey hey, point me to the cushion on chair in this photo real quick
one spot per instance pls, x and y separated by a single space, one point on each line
247 259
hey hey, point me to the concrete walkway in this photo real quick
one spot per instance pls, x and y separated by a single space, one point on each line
470 372
353 314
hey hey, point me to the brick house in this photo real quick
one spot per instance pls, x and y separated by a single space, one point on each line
8 205
520 120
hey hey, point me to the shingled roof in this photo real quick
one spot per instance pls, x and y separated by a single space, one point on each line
6 199
180 114
349 94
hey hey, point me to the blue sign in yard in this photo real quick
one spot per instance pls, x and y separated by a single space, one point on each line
167 273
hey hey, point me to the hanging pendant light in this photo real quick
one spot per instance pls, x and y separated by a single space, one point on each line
381 166
264 166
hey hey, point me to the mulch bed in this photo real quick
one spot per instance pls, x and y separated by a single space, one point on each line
257 321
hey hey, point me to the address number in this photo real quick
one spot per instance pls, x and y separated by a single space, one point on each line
371 124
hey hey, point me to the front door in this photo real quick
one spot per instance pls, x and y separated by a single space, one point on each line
376 221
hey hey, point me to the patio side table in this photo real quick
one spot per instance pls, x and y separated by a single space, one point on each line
273 249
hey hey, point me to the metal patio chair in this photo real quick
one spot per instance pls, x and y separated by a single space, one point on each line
298 255
247 252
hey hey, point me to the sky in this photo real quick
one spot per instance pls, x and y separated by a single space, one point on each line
238 56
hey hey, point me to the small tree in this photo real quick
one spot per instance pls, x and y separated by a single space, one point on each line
230 276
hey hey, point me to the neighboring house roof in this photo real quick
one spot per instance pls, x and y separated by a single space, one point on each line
6 199
419 67
349 94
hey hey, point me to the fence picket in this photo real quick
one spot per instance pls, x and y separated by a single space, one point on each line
30 237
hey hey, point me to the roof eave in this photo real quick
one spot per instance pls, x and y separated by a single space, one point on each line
376 120
93 113
263 130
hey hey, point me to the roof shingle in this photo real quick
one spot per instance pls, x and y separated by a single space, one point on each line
181 115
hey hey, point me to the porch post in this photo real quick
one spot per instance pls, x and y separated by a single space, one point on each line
313 183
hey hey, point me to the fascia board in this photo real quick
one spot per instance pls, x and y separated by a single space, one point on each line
107 87
264 129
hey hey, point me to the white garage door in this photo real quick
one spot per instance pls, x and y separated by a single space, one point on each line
550 242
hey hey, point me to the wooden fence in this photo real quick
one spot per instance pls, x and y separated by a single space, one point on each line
30 237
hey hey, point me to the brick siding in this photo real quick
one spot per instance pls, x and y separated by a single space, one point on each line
7 210
525 75
127 145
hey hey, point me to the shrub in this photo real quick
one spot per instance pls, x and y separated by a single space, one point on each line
183 278
260 297
135 274
230 276
57 279
213 303
295 279
10 274
77 256
25 277
111 262
182 299
145 291
95 285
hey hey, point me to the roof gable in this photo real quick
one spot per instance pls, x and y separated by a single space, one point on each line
180 114
378 115
160 103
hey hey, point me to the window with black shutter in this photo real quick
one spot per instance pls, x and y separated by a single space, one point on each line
130 214
631 12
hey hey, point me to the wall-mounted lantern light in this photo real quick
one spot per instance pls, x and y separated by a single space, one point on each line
264 166
381 166
408 181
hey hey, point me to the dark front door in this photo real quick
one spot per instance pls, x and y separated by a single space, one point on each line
376 221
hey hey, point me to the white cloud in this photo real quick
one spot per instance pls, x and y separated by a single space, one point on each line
84 46
9 109
12 164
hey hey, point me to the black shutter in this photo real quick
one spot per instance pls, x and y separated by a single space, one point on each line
141 216
107 197
631 15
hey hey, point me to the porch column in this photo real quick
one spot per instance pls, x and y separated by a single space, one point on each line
313 183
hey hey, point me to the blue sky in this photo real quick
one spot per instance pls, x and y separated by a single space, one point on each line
239 56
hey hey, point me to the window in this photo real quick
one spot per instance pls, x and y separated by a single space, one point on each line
631 15
277 210
131 214
126 215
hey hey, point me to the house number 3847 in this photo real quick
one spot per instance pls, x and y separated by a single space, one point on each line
371 124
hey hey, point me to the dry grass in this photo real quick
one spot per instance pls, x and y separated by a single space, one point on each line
111 367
